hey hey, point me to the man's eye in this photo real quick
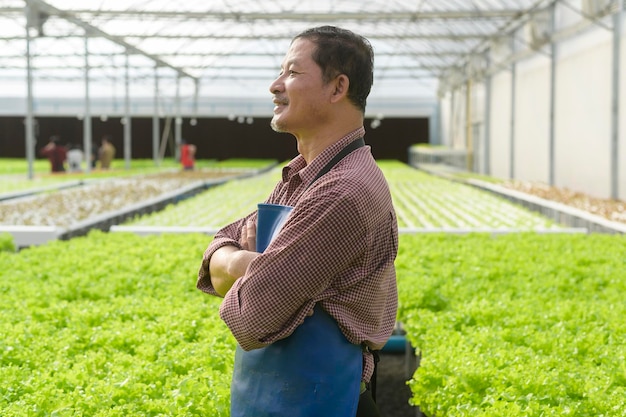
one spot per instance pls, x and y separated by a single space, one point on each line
289 72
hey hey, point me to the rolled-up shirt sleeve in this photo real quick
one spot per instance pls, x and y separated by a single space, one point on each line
228 236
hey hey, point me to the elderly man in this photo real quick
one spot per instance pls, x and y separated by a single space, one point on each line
310 310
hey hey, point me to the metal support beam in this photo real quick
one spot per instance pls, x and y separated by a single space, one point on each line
406 36
468 126
87 136
487 121
513 119
178 122
196 93
155 118
434 124
127 117
410 71
511 25
70 16
618 19
436 138
552 137
251 75
30 120
304 16
442 53
287 37
451 126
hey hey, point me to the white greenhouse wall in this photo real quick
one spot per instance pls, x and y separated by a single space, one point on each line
583 115
500 125
532 120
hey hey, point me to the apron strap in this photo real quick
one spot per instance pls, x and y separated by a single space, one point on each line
355 144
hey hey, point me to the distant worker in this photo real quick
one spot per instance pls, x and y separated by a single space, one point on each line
75 157
187 155
56 154
106 152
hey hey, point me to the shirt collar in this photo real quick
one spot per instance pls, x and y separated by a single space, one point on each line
298 165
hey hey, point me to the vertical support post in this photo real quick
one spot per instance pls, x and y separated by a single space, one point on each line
178 124
452 126
127 118
487 118
438 138
513 115
30 119
87 135
468 126
196 93
618 18
433 124
513 111
155 118
552 138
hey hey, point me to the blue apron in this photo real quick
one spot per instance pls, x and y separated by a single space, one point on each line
315 372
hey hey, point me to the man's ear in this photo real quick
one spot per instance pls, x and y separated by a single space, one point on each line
341 83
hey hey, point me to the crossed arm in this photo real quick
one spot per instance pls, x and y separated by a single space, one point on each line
229 263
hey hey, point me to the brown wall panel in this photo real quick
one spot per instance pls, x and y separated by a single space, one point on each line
216 138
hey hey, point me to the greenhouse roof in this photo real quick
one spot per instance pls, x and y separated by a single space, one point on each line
234 47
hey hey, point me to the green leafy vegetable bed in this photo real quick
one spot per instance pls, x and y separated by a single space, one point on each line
217 206
422 201
14 172
507 325
516 325
111 325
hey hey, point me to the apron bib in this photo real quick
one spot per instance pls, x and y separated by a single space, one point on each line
315 372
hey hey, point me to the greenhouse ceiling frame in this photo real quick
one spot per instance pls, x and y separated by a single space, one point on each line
130 40
430 39
452 33
422 47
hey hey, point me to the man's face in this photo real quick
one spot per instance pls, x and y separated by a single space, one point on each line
301 98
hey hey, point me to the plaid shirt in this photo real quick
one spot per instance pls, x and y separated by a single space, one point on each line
337 249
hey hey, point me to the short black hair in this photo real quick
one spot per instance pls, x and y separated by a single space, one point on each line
341 51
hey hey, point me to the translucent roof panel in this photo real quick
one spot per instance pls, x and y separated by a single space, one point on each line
234 47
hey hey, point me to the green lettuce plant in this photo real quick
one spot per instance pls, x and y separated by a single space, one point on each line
515 325
111 325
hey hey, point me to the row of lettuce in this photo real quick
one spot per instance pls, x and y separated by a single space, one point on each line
505 325
422 201
14 172
70 199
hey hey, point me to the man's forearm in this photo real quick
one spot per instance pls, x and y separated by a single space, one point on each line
227 264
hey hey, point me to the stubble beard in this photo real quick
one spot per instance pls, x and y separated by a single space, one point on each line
276 126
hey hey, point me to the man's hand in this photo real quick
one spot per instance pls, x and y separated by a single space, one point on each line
230 263
248 236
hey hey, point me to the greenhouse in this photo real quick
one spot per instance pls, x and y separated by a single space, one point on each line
499 128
